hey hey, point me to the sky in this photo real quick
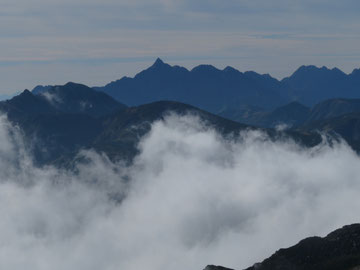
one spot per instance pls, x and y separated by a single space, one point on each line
95 42
191 198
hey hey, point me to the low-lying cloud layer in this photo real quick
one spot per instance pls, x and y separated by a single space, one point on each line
191 198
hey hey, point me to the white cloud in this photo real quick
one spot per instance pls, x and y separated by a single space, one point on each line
53 98
191 198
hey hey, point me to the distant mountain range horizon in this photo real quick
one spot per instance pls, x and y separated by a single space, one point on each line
301 67
65 119
220 90
59 121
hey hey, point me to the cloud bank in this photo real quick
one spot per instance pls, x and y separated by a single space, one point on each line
191 198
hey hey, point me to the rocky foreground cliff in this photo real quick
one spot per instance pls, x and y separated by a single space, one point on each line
339 250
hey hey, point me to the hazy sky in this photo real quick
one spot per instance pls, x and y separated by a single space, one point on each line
94 42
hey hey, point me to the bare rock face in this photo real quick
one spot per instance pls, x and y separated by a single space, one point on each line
214 267
340 250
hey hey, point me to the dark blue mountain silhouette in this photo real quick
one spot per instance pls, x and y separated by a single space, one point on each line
204 86
217 90
311 85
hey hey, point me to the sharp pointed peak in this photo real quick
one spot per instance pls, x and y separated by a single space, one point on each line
158 63
26 92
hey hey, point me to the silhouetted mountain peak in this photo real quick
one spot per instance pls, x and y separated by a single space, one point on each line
205 68
26 92
72 84
158 64
315 71
308 69
29 103
78 98
229 69
159 61
335 69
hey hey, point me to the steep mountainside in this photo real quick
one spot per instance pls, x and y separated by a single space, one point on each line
333 108
56 131
122 131
292 115
56 122
340 250
347 126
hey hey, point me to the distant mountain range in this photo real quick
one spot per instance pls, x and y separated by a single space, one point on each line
247 97
61 120
204 86
64 119
217 90
58 121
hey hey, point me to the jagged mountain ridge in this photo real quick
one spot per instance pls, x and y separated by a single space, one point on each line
311 85
61 129
113 133
204 86
217 90
57 122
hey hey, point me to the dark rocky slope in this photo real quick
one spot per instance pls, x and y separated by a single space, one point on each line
340 250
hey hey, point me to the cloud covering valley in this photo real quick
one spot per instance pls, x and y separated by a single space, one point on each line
190 198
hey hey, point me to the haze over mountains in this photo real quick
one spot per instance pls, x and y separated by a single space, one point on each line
217 90
233 152
248 98
64 119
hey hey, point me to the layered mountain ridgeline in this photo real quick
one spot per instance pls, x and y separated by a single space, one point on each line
297 116
220 91
60 120
311 85
64 119
291 115
346 126
204 86
340 250
333 108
